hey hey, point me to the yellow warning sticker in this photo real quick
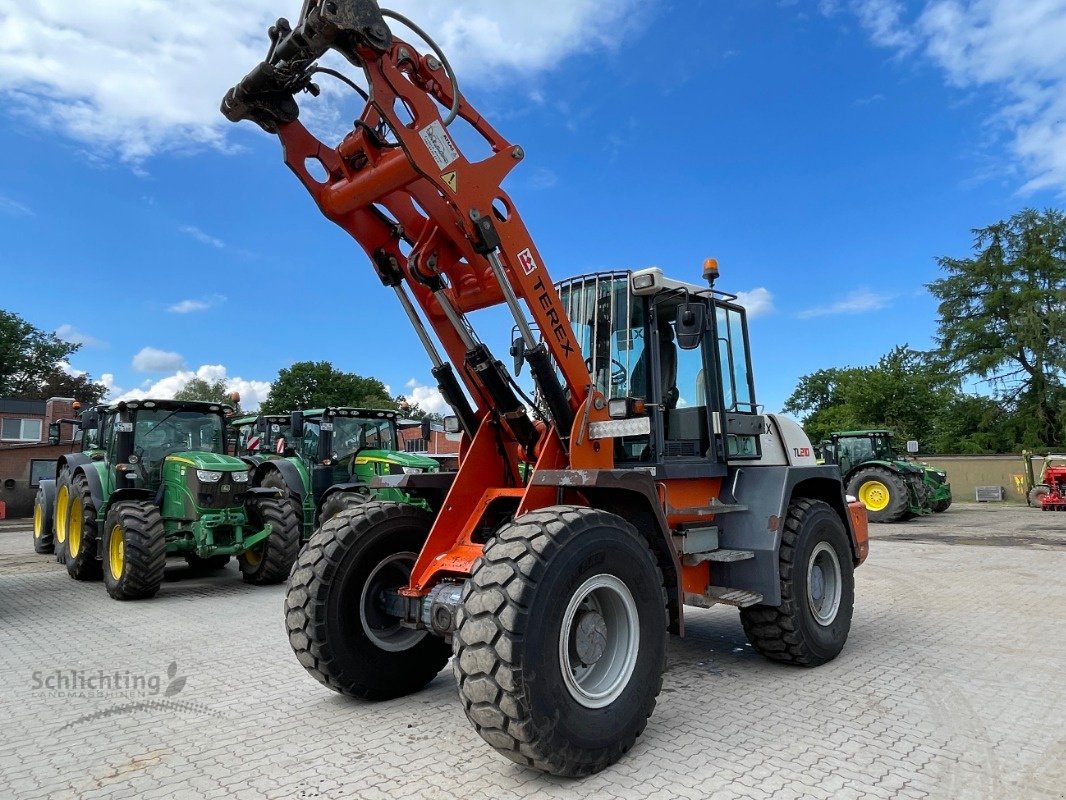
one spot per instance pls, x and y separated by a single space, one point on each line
452 179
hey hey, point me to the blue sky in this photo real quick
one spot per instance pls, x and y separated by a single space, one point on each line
823 152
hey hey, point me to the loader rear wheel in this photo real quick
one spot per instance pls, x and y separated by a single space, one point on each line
338 502
135 550
1038 493
561 640
337 626
60 514
271 560
883 492
811 624
82 563
43 535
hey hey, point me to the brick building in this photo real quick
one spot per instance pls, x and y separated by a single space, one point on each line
25 453
442 446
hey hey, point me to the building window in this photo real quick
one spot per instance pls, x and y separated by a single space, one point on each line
20 430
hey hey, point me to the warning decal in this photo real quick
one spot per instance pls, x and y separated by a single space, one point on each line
452 179
525 258
440 144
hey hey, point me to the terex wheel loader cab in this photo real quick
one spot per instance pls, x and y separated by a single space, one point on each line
163 486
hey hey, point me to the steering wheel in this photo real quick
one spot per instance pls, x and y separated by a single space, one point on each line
619 373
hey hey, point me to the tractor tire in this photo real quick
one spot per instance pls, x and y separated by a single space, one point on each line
940 506
43 534
811 624
1036 494
336 627
271 560
204 565
60 514
561 640
82 534
134 550
338 502
883 492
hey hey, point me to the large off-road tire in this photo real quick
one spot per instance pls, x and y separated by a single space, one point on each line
811 624
1037 493
134 550
60 514
940 506
43 534
338 502
561 640
82 535
204 565
336 625
271 560
883 492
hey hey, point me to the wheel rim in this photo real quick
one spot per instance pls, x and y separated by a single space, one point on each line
875 495
599 641
38 521
254 557
385 630
62 509
74 529
116 552
824 583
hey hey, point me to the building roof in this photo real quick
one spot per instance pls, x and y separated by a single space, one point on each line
12 406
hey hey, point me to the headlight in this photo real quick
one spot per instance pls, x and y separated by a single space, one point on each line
208 476
942 474
412 470
239 477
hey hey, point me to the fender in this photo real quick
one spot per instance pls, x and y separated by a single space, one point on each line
129 493
337 488
96 489
288 472
71 461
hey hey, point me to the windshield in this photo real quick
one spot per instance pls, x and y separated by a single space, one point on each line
157 433
351 434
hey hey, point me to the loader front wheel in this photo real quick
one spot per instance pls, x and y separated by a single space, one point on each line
812 623
883 492
561 640
338 626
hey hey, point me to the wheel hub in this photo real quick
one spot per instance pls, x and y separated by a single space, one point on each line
824 584
590 637
382 628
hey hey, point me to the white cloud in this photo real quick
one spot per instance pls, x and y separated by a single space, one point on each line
192 305
203 238
64 366
252 392
149 359
68 333
1015 49
14 207
855 302
428 398
759 302
139 77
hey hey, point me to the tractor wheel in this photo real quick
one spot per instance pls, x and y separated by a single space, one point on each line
43 535
340 501
60 514
940 506
561 640
1038 493
271 560
336 624
135 550
817 590
210 564
82 563
883 492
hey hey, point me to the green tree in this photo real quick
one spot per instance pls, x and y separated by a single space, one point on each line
61 384
317 384
30 364
1003 319
209 391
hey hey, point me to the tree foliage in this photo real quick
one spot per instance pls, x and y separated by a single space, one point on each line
317 384
209 391
1003 318
31 364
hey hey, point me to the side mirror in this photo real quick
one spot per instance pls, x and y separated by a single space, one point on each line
296 424
451 425
53 433
518 350
690 326
912 446
427 431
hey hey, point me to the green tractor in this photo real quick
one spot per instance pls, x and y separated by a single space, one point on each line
47 536
256 436
159 485
891 487
326 459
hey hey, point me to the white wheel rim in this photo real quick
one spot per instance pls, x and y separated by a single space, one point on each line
824 584
383 630
599 641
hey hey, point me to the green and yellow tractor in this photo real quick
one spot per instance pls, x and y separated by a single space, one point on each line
891 487
326 459
160 484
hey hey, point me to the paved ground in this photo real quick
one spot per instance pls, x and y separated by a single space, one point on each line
951 686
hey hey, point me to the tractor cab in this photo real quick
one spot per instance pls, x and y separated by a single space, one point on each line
260 435
850 448
674 363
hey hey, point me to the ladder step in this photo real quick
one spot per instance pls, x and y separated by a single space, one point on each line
742 598
694 559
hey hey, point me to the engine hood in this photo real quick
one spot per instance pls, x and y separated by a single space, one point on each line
212 461
398 458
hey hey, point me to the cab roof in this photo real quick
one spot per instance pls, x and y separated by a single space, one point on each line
346 411
171 405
